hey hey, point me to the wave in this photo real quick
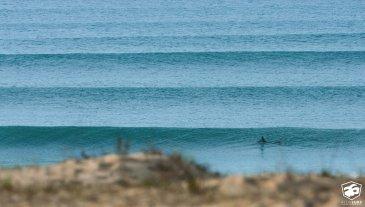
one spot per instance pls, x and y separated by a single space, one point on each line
289 36
317 107
184 96
187 53
278 92
250 96
197 28
184 69
305 25
90 136
225 149
215 43
203 57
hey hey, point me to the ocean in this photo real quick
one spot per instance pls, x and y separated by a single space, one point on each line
204 78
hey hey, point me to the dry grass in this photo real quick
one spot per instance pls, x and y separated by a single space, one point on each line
154 179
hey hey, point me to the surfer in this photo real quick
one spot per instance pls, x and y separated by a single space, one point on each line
262 140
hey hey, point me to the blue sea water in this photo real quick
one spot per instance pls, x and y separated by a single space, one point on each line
207 78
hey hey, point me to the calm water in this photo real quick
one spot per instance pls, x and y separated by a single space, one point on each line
207 78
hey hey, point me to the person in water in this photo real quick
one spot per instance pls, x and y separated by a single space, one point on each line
262 140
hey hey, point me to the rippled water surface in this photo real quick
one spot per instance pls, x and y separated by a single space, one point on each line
208 77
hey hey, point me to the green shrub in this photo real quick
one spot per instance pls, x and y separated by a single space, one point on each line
7 184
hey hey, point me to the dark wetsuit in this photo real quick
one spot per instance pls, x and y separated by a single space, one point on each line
262 140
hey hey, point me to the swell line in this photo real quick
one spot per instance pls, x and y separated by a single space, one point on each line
219 36
186 53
